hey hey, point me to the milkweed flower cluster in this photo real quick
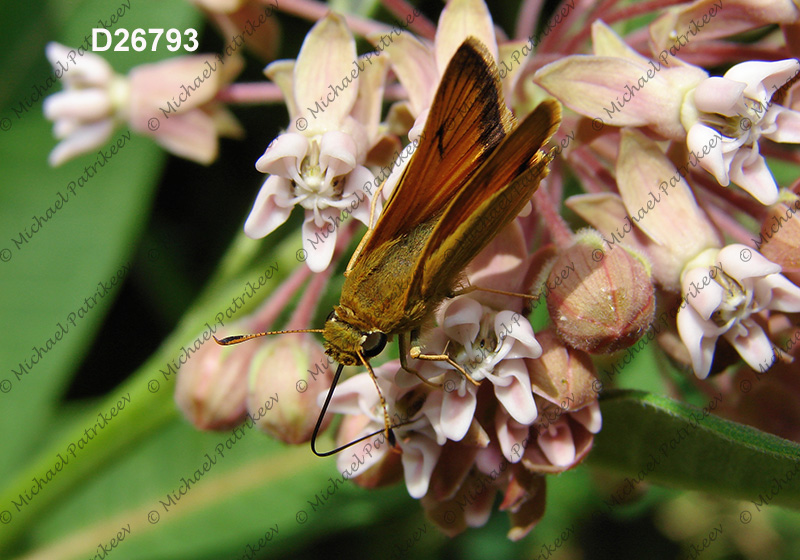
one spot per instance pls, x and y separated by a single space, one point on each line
683 214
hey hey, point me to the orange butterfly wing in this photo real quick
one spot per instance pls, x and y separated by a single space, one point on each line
490 200
467 119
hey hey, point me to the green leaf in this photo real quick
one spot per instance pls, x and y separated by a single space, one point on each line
241 483
66 234
657 440
62 260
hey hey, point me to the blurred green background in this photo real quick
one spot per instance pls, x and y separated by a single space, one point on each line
172 221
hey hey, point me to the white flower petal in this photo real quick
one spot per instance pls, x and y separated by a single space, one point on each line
338 154
557 444
353 396
271 208
85 139
319 255
457 413
284 155
358 185
85 104
419 458
589 416
698 338
191 135
754 348
700 136
701 292
763 78
462 318
516 397
62 128
461 19
88 69
344 461
741 262
720 95
281 72
517 335
510 435
778 293
787 125
322 74
753 175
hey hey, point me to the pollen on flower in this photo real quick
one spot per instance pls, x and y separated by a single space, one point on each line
737 303
724 295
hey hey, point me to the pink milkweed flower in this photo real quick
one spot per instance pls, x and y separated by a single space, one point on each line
713 19
420 65
358 398
90 107
654 196
173 102
488 344
487 336
724 290
617 86
96 100
319 163
738 109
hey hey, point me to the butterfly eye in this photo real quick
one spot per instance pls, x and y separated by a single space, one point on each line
373 345
331 316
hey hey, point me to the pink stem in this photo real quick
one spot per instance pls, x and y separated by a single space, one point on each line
628 12
556 33
743 202
595 177
718 53
402 10
304 312
251 93
528 18
559 230
279 299
780 152
315 11
727 223
395 92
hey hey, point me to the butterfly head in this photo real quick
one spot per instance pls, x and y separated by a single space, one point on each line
343 341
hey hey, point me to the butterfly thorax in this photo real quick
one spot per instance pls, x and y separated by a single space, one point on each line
375 296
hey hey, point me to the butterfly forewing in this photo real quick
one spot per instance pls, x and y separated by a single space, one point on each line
467 119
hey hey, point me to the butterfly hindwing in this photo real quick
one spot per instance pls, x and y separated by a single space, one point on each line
467 119
489 201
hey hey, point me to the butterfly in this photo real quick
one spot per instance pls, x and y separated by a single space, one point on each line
472 172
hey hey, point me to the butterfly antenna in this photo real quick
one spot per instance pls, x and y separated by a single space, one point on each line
236 339
322 416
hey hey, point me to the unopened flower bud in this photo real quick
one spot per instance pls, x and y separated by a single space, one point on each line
286 376
524 500
779 239
563 375
211 389
600 300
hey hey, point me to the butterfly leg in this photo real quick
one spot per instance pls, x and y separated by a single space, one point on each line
468 289
416 352
405 350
